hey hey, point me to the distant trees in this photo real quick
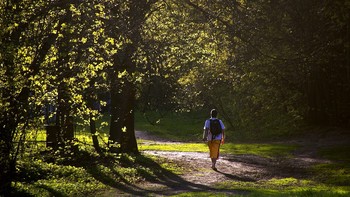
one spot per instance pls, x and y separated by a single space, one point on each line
306 45
277 63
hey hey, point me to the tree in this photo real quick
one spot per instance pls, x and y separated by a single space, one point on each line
20 57
304 46
283 58
39 64
125 23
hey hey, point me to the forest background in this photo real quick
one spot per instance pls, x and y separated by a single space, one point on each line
271 68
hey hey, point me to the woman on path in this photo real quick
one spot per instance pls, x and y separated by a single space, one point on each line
214 134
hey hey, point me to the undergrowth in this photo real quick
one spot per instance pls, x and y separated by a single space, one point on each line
52 173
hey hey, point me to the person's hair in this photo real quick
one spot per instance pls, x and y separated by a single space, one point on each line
213 113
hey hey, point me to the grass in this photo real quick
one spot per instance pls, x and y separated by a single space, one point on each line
83 174
179 147
333 173
37 177
327 180
185 126
337 153
188 127
263 150
203 194
336 172
275 188
286 187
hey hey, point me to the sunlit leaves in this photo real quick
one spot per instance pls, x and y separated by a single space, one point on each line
75 11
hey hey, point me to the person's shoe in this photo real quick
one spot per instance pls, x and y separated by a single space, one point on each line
215 169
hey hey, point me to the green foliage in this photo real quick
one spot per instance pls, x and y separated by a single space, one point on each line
269 71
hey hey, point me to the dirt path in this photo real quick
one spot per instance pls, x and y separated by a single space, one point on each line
199 177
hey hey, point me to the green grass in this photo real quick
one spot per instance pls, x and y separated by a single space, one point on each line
185 126
276 188
333 173
83 174
39 178
180 147
286 187
203 194
336 153
263 150
188 127
336 172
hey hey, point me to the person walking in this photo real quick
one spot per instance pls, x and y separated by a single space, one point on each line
215 136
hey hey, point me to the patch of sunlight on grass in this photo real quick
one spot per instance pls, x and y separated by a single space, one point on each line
318 190
263 150
85 137
286 182
333 173
172 167
286 187
48 179
180 147
203 194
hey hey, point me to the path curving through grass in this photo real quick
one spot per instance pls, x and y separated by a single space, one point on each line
274 169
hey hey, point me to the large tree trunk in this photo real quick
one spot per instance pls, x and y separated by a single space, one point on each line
117 108
122 87
122 130
128 142
122 133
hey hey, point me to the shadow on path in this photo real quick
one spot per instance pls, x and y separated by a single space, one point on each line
235 177
159 181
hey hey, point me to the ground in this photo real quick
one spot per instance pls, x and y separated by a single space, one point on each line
199 177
